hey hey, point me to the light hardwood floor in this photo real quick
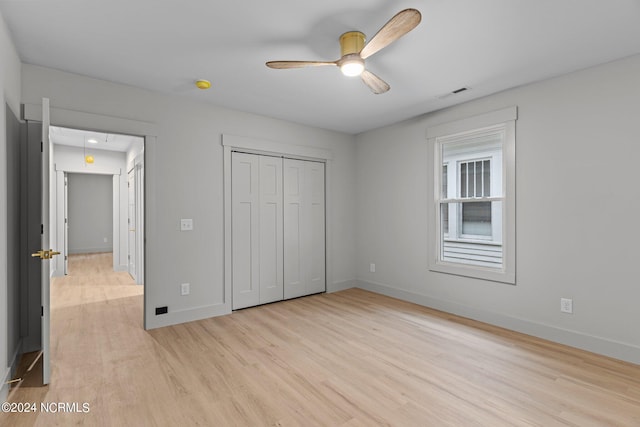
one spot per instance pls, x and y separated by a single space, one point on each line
351 358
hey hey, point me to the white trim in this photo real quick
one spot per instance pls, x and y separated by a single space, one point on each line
175 317
97 170
263 146
101 123
116 224
451 132
89 121
341 286
474 122
616 349
258 146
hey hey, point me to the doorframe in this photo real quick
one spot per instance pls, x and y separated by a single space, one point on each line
137 168
62 204
109 124
249 145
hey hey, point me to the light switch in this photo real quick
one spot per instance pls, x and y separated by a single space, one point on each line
186 224
185 289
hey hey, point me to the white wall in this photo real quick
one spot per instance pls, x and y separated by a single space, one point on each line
90 214
185 180
9 94
577 203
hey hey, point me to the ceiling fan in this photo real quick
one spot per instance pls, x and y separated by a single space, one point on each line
354 51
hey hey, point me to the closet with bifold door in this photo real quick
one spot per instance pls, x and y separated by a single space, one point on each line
277 228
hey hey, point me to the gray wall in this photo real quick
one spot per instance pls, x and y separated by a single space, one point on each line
10 84
184 178
90 204
576 206
13 236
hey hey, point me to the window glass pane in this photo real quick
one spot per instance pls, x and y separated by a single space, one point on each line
478 173
463 180
444 218
476 219
445 188
486 180
474 249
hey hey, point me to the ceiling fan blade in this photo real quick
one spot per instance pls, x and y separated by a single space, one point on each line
283 65
403 22
375 83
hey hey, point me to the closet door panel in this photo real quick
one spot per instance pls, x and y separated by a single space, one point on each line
316 228
244 230
271 237
304 228
294 285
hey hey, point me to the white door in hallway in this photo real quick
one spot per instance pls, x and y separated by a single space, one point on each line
304 228
131 209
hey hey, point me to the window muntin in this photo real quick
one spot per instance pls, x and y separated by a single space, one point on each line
475 178
474 181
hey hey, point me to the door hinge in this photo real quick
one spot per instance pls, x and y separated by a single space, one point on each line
41 228
41 147
41 311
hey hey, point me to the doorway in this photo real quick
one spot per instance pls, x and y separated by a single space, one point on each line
84 165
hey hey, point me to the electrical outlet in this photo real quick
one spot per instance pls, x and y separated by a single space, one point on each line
185 289
106 240
566 305
186 224
372 267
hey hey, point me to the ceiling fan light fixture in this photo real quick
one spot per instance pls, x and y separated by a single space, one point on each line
352 65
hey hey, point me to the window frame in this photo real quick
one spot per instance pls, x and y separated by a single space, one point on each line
502 120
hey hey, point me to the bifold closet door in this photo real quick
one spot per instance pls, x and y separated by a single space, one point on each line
304 228
256 228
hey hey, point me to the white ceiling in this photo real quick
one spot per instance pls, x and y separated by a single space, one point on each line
103 141
164 45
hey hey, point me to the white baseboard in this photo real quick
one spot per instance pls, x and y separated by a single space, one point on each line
4 387
341 286
97 250
121 267
15 359
183 316
10 372
599 345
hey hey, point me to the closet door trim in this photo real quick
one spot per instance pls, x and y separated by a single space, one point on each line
248 145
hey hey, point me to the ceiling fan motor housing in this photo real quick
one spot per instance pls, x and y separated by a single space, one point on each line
351 42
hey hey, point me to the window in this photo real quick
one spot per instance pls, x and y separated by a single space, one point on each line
473 224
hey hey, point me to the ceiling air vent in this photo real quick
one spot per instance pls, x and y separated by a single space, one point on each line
453 92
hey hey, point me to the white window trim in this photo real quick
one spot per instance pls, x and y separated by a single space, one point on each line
507 118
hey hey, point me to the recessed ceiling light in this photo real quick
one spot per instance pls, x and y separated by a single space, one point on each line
92 141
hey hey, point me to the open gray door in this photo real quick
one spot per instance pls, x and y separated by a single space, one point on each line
46 253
